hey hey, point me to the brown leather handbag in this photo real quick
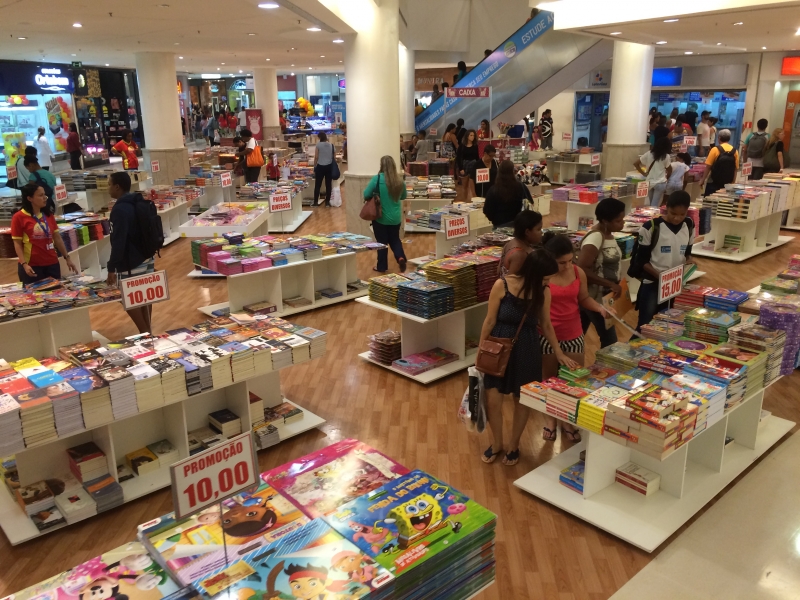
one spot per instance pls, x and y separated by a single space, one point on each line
372 209
494 353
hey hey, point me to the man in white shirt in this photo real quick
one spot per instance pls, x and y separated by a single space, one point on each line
703 134
241 119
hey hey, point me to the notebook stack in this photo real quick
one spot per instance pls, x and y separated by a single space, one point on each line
105 492
221 374
426 299
572 477
74 502
225 422
173 379
659 329
317 339
121 385
592 413
415 364
460 275
621 356
725 299
758 338
785 318
691 296
87 461
710 325
563 399
147 384
779 286
755 363
11 440
385 347
722 372
383 289
704 388
637 478
242 366
66 408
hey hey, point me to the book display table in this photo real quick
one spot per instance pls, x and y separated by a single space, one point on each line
478 224
207 225
412 204
563 171
171 220
758 236
690 477
583 210
289 221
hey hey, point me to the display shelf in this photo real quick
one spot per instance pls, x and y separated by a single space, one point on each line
258 226
792 215
478 225
563 172
171 220
447 331
758 235
576 210
289 221
198 274
409 228
690 477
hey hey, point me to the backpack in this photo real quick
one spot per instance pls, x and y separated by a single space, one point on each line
151 232
636 268
724 169
757 145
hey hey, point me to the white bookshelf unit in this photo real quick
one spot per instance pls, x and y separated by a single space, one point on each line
171 220
690 477
258 226
564 171
758 235
412 204
577 210
289 221
478 225
300 278
90 258
793 214
448 331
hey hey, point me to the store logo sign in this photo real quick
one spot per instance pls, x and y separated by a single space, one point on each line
239 84
51 80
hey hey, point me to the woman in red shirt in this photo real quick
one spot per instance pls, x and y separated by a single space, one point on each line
33 230
485 132
569 292
74 148
273 167
126 148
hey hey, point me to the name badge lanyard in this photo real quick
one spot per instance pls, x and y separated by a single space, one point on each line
46 228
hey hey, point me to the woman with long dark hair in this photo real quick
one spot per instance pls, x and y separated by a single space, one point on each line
449 142
658 168
389 185
485 132
34 231
504 199
527 235
466 158
518 302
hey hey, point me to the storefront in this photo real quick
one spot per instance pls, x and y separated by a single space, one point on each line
34 95
221 93
726 106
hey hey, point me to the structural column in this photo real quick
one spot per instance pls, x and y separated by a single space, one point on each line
629 103
158 92
373 97
407 87
265 82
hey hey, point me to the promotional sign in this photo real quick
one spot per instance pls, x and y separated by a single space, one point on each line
642 188
471 92
747 125
11 172
566 137
225 179
253 122
747 168
670 283
155 166
482 176
595 160
211 476
456 227
690 140
144 289
61 192
684 148
433 131
280 202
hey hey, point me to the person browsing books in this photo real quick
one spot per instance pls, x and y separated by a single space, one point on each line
392 191
252 155
518 302
569 293
527 235
658 169
505 198
663 243
36 241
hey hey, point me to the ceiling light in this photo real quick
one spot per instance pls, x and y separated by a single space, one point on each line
322 56
268 59
22 38
217 68
291 65
222 63
240 71
719 43
292 74
797 32
763 47
268 5
616 33
230 74
108 65
688 52
671 20
340 61
77 25
176 44
313 29
309 68
341 41
739 23
292 48
251 34
662 42
180 57
248 74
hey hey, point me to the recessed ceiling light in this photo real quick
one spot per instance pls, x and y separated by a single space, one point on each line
313 29
292 74
217 68
251 34
22 38
240 71
77 25
309 68
108 65
719 43
291 65
268 5
341 41
616 33
340 61
662 42
797 32
268 59
688 52
763 47
739 23
292 48
176 44
322 56
180 57
222 63
671 20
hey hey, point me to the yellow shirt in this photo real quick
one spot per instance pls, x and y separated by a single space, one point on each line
714 154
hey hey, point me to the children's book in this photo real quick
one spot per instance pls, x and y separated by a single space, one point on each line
320 482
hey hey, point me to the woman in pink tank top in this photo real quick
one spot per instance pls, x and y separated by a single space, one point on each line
568 293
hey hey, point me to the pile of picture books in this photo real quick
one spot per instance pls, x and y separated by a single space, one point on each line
416 364
637 478
72 501
51 295
663 330
758 338
712 393
784 318
563 399
755 363
385 347
622 356
733 376
426 299
485 272
458 274
572 476
780 286
592 411
383 289
267 431
691 296
710 325
725 299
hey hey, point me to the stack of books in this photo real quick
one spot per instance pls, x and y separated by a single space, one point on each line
385 347
710 325
383 289
711 392
282 414
416 364
689 347
191 370
780 286
666 362
35 498
752 306
637 478
691 296
105 492
242 366
221 374
173 379
733 376
142 461
623 357
671 315
256 410
225 422
758 338
122 388
66 408
317 339
262 354
260 308
202 438
147 384
11 440
300 348
572 375
330 292
485 273
627 382
36 414
74 502
96 401
659 329
592 412
297 301
572 476
281 354
725 299
266 435
165 451
563 400
426 299
784 318
87 461
755 363
458 274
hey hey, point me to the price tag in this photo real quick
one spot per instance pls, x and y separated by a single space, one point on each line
566 137
642 188
690 140
595 160
61 192
144 289
280 203
11 172
225 179
155 167
433 131
104 155
456 227
211 476
684 148
482 176
747 168
670 283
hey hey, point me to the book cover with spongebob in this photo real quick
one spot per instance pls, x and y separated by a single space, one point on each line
320 482
311 563
191 548
410 520
125 573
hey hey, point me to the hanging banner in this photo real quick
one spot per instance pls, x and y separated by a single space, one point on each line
474 92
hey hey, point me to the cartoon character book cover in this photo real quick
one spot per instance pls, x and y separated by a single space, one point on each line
320 482
410 520
193 547
312 563
125 573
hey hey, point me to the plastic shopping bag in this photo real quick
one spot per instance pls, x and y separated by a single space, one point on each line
336 196
476 400
464 414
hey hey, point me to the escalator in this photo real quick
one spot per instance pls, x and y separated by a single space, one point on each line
532 66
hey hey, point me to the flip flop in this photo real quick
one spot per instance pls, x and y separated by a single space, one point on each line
548 435
511 458
488 456
574 436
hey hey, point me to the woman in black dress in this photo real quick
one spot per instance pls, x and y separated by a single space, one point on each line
466 159
512 298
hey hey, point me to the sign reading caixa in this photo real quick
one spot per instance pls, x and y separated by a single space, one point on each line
34 78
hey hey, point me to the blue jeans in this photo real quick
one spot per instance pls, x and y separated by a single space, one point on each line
389 235
647 303
656 193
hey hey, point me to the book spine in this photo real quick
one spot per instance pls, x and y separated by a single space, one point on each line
630 485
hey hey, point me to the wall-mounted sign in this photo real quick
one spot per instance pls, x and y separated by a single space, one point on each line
790 65
34 78
239 84
341 84
52 80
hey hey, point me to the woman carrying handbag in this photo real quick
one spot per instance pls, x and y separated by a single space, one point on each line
517 304
383 206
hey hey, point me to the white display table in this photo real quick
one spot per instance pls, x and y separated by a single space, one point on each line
690 477
412 204
577 210
288 221
258 226
171 220
759 235
564 171
478 225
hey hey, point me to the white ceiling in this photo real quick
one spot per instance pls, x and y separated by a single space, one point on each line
205 33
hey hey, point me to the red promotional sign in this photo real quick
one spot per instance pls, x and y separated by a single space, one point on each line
155 166
595 160
471 92
225 179
144 289
456 227
433 131
482 176
61 192
566 137
690 140
670 283
279 202
11 172
747 168
642 189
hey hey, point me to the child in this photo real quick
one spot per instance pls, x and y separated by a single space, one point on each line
664 243
273 168
678 181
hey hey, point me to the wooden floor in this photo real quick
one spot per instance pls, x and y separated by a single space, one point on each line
542 552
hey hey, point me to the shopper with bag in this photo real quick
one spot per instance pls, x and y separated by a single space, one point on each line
387 191
254 158
509 353
323 168
659 169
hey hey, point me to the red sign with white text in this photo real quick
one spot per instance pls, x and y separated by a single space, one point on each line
595 159
225 179
11 172
60 192
155 166
642 189
670 283
482 176
747 168
566 137
456 227
472 92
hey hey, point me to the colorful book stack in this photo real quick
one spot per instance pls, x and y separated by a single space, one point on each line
535 391
571 375
667 362
121 385
622 357
11 440
460 275
689 347
637 478
572 477
415 364
704 388
38 502
317 339
780 286
758 338
485 273
105 492
691 296
661 329
785 318
752 306
722 372
385 347
710 325
592 412
282 414
755 362
87 461
563 400
426 299
72 500
725 299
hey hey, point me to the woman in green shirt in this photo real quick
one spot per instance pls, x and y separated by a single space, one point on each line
392 190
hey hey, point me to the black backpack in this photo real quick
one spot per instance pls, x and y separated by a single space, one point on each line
151 232
724 169
757 145
636 267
